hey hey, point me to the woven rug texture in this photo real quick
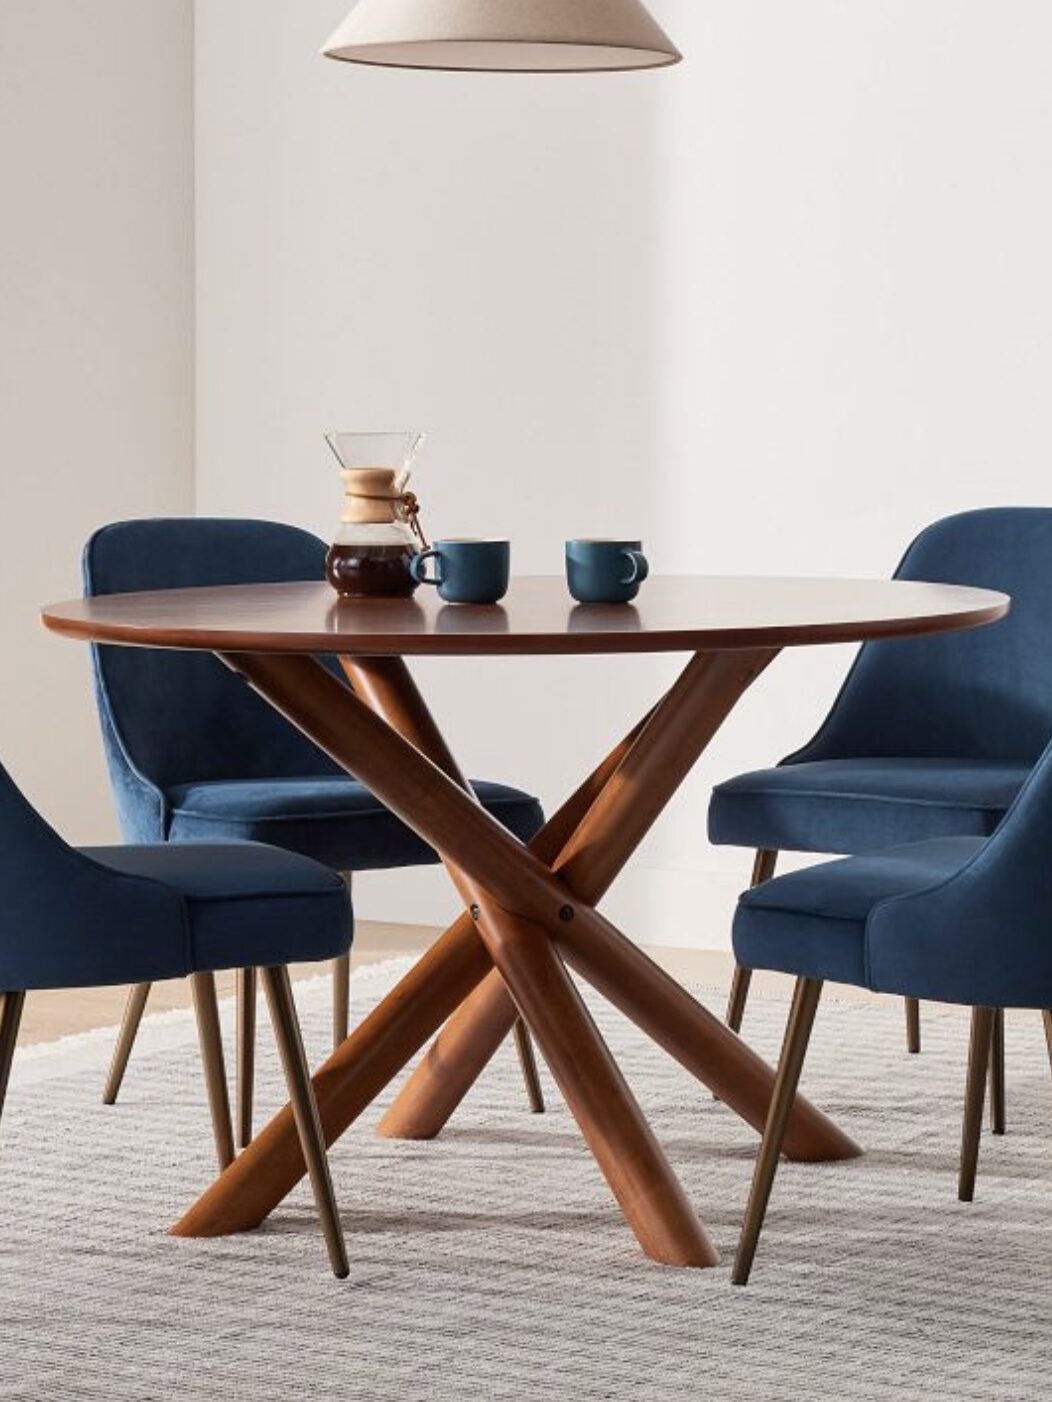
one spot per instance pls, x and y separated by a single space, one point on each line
492 1265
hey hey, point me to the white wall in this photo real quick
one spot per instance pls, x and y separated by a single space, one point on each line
96 343
774 309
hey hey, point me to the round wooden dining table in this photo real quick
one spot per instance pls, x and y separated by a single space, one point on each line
530 912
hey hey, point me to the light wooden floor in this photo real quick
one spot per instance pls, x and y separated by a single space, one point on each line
51 1015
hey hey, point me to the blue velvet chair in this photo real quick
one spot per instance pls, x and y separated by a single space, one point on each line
955 919
90 917
929 737
193 753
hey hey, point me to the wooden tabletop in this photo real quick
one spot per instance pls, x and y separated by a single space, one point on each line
538 616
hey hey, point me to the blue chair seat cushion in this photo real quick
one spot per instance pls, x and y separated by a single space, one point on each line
813 923
862 805
242 904
331 818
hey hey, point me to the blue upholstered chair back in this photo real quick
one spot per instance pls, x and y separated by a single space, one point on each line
985 935
985 694
172 718
55 904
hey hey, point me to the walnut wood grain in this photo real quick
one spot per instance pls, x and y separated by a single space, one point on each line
519 894
472 1035
537 617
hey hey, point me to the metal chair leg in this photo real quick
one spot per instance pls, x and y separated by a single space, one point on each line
246 1054
10 1021
341 1000
203 988
528 1062
133 1011
1046 1018
305 1109
997 1074
762 870
913 1032
983 1020
341 986
738 998
797 1035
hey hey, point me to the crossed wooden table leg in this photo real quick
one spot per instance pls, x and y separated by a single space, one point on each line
529 910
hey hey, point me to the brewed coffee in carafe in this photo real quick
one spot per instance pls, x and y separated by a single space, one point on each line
379 531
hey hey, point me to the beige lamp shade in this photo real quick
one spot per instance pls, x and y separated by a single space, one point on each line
504 36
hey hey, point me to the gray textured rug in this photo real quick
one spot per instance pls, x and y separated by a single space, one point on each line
492 1264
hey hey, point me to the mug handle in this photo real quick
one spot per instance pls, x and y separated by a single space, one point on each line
640 566
418 563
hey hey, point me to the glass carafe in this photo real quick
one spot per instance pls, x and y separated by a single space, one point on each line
380 530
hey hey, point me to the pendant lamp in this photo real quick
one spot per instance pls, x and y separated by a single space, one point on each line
504 36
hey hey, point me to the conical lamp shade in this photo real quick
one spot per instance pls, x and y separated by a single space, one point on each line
505 36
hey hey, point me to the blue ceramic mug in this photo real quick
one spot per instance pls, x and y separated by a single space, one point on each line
605 571
466 571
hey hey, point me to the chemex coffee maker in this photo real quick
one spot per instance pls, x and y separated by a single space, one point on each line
380 531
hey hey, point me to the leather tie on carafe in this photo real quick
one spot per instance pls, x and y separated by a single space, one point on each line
398 505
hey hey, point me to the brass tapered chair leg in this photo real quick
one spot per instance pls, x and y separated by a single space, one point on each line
738 997
341 1000
528 1062
762 870
806 995
246 1054
1046 1018
913 1032
983 1020
305 1110
341 987
10 1021
133 1011
206 1005
997 1074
